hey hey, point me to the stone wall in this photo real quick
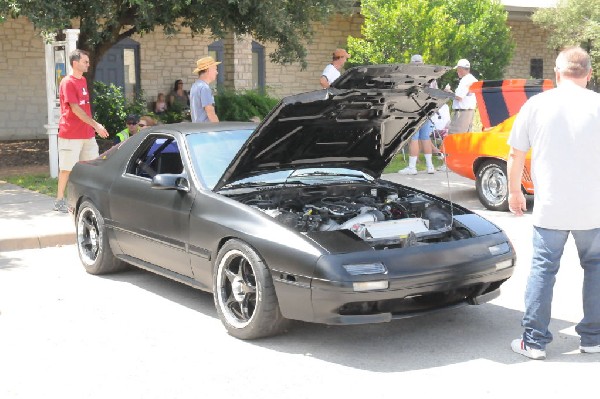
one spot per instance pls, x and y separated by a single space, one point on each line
530 43
164 59
23 106
285 80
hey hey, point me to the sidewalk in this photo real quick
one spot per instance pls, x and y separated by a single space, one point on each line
28 221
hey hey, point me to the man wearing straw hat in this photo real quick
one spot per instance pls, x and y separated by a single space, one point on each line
202 101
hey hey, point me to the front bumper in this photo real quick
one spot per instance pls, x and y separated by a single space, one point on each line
421 279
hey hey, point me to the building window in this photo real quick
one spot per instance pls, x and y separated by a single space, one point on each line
536 68
121 66
217 51
130 79
258 66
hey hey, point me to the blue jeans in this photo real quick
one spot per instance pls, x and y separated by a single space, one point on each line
548 248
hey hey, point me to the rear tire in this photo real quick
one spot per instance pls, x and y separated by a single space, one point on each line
244 293
492 185
92 242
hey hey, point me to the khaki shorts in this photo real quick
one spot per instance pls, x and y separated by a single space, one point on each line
462 121
71 151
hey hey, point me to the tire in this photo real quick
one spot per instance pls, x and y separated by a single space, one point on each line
92 242
492 185
244 293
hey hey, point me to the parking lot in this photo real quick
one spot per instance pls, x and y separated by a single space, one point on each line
67 334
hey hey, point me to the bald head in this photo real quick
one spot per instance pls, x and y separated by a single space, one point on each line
573 62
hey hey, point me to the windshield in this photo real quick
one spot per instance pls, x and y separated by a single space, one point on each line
212 152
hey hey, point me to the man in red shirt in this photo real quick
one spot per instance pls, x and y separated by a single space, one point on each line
76 138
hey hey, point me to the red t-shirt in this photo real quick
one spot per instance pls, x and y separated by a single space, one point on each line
74 90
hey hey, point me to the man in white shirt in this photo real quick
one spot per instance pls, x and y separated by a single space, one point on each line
562 126
332 71
464 103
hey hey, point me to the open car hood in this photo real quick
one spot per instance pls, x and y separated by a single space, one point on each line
360 122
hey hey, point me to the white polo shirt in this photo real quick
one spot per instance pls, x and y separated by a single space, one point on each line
468 99
562 126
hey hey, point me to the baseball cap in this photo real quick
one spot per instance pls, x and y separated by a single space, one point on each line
463 63
416 59
340 52
132 119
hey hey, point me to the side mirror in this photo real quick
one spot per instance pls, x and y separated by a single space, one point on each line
170 182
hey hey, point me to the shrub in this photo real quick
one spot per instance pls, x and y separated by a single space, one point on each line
174 114
241 106
111 108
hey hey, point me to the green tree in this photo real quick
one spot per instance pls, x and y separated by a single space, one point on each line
443 31
573 22
102 23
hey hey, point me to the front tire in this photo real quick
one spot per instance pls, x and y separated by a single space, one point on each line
492 185
92 242
244 293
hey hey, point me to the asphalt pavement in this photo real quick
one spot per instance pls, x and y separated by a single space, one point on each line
150 337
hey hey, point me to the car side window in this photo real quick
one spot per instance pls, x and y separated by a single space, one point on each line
159 154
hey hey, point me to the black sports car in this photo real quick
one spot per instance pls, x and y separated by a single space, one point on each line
290 219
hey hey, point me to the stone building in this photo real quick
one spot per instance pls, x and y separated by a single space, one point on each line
153 63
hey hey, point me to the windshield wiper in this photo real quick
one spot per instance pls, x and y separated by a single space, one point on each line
329 174
263 184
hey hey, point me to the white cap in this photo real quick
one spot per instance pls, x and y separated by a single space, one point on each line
416 59
463 64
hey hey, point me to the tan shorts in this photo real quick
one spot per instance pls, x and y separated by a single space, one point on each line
462 121
71 151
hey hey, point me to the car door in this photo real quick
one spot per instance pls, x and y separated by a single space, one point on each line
153 224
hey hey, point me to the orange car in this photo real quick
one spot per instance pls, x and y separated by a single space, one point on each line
482 156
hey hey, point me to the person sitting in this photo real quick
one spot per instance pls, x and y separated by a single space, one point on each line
179 98
131 129
161 105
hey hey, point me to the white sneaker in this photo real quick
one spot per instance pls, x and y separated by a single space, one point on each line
519 346
430 170
408 171
589 349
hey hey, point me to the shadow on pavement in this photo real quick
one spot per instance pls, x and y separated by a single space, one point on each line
439 339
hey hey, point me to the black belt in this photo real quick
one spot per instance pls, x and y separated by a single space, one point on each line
460 110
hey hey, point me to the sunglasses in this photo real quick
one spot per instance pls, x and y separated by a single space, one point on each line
142 125
131 123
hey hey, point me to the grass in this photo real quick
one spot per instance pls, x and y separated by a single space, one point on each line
40 183
398 162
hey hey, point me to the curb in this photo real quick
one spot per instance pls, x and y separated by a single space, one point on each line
45 241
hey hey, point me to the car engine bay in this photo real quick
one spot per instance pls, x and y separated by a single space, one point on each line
380 214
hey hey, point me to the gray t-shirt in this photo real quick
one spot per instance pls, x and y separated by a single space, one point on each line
562 127
200 96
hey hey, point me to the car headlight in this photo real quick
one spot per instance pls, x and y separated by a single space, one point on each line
370 285
504 264
499 249
359 269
